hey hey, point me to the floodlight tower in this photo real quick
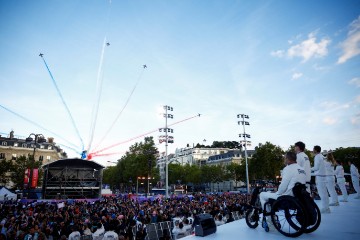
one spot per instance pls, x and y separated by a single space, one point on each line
245 143
168 139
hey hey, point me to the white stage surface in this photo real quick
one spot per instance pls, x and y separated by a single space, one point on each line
342 223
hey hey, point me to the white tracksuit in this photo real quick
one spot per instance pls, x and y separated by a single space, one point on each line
339 172
320 173
355 178
303 160
291 174
330 181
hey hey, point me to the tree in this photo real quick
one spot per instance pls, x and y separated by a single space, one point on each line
6 167
346 154
235 172
267 162
139 161
18 170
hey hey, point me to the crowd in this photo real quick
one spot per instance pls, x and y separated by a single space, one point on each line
111 217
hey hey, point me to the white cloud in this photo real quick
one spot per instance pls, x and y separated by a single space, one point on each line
355 119
306 49
355 81
296 75
357 99
351 45
329 121
278 53
309 48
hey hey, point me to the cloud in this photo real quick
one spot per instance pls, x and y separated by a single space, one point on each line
306 49
351 45
309 48
355 81
357 99
355 119
296 76
329 121
278 53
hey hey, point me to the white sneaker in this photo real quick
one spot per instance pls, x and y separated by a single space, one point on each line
334 204
343 200
325 210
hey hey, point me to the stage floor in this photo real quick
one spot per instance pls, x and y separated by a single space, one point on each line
342 223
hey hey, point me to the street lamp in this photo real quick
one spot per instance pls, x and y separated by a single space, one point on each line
168 139
39 138
245 143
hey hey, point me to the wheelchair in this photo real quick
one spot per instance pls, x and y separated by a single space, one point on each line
291 216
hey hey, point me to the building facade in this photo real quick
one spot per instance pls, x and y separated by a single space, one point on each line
12 148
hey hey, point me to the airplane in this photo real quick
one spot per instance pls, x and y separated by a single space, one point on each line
41 55
107 44
199 115
144 66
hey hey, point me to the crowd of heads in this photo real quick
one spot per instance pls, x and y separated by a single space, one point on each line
118 213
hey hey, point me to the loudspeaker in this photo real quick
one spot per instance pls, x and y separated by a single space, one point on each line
204 225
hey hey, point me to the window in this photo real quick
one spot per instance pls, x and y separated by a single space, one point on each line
2 155
41 146
41 158
13 157
48 158
4 143
16 144
24 145
49 147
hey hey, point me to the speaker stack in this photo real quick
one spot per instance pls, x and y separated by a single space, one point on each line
204 225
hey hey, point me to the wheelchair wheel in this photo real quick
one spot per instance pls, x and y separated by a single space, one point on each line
252 217
312 228
288 216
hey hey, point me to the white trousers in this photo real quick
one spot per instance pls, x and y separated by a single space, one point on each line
341 183
330 185
321 188
265 196
355 182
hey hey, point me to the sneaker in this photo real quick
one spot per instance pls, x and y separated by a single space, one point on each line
334 204
343 200
325 210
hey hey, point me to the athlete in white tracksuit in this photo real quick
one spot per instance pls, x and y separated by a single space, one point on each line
330 181
355 178
303 160
340 178
320 173
291 174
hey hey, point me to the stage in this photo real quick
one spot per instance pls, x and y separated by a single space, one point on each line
341 223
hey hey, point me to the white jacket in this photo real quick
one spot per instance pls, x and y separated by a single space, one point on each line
291 174
319 168
354 172
329 168
339 171
303 160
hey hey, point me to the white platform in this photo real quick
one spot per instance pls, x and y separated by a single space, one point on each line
342 223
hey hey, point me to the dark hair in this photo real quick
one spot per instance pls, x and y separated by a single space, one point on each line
290 156
317 148
301 145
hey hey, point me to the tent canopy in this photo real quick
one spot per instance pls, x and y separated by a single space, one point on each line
5 194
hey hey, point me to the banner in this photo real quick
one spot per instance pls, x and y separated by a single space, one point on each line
35 177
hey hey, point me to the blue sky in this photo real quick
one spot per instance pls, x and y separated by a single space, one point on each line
292 66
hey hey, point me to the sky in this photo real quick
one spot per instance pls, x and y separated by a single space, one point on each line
292 66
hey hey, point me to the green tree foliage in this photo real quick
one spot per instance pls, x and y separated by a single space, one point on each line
139 161
346 154
6 167
235 172
267 162
221 144
18 170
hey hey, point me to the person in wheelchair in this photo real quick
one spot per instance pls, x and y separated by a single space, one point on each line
291 174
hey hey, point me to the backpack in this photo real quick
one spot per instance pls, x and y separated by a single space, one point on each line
308 203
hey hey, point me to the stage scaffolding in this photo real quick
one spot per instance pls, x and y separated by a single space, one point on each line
72 179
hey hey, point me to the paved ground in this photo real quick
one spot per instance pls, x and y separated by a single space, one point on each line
342 223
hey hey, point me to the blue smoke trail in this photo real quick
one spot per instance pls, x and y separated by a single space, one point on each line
63 101
36 124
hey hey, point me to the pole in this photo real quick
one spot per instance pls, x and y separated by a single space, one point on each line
32 163
137 186
246 160
166 160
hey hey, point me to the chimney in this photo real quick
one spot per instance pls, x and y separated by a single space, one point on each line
50 140
12 134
